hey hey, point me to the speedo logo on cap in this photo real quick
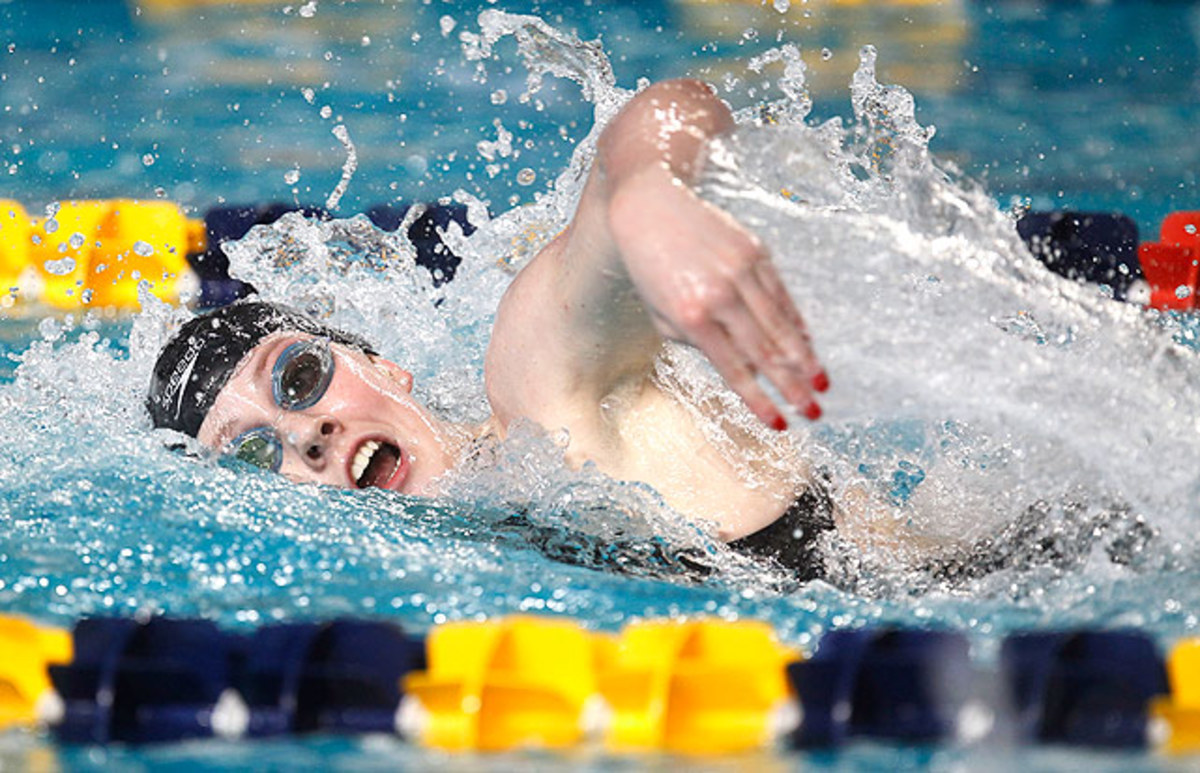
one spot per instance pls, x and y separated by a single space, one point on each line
176 387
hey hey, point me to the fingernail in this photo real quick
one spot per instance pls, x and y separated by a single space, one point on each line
779 424
821 382
812 412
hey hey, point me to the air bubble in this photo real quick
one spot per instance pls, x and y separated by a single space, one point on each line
148 159
447 23
1190 228
309 10
50 226
826 54
526 176
326 111
77 239
499 97
144 249
1183 291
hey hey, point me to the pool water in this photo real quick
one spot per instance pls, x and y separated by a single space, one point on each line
1060 103
969 383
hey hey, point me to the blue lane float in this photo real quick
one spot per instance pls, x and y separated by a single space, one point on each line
895 685
171 680
1096 247
142 682
1082 688
341 677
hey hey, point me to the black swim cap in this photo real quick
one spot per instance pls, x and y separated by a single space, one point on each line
199 360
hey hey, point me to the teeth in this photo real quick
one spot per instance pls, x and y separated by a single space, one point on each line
363 458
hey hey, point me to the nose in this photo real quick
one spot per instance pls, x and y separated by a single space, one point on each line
309 435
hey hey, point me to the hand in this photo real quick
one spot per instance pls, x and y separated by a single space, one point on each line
710 283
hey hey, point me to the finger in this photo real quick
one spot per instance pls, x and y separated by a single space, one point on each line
717 345
773 307
752 341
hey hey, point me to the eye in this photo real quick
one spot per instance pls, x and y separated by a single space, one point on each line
259 447
302 374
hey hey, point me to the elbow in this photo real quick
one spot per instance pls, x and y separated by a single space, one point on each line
685 101
667 121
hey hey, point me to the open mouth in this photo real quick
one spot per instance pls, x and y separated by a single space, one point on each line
375 463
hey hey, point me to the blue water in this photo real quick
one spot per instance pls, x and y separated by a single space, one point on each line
1054 105
1061 103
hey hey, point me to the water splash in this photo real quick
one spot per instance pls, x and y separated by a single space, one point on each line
348 168
1014 385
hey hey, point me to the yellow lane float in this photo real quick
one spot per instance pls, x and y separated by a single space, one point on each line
520 682
1177 716
26 651
700 687
94 254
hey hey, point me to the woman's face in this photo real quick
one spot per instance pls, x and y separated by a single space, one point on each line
362 429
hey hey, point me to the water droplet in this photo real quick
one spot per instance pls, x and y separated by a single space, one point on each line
782 5
50 329
826 54
1183 291
499 97
309 10
292 176
143 249
309 95
366 40
326 111
148 159
526 176
50 226
77 239
60 267
86 295
750 34
1190 228
447 24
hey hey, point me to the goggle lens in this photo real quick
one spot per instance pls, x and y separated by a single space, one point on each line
259 447
301 374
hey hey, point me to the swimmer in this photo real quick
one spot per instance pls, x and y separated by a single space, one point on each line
574 346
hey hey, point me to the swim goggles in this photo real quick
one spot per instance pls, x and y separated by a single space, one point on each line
299 378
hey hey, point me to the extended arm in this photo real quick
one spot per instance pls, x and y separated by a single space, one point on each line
646 258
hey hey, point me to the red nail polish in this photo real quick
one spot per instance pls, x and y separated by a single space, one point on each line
812 412
821 382
779 424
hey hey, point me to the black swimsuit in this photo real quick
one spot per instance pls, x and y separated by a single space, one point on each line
791 542
792 539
